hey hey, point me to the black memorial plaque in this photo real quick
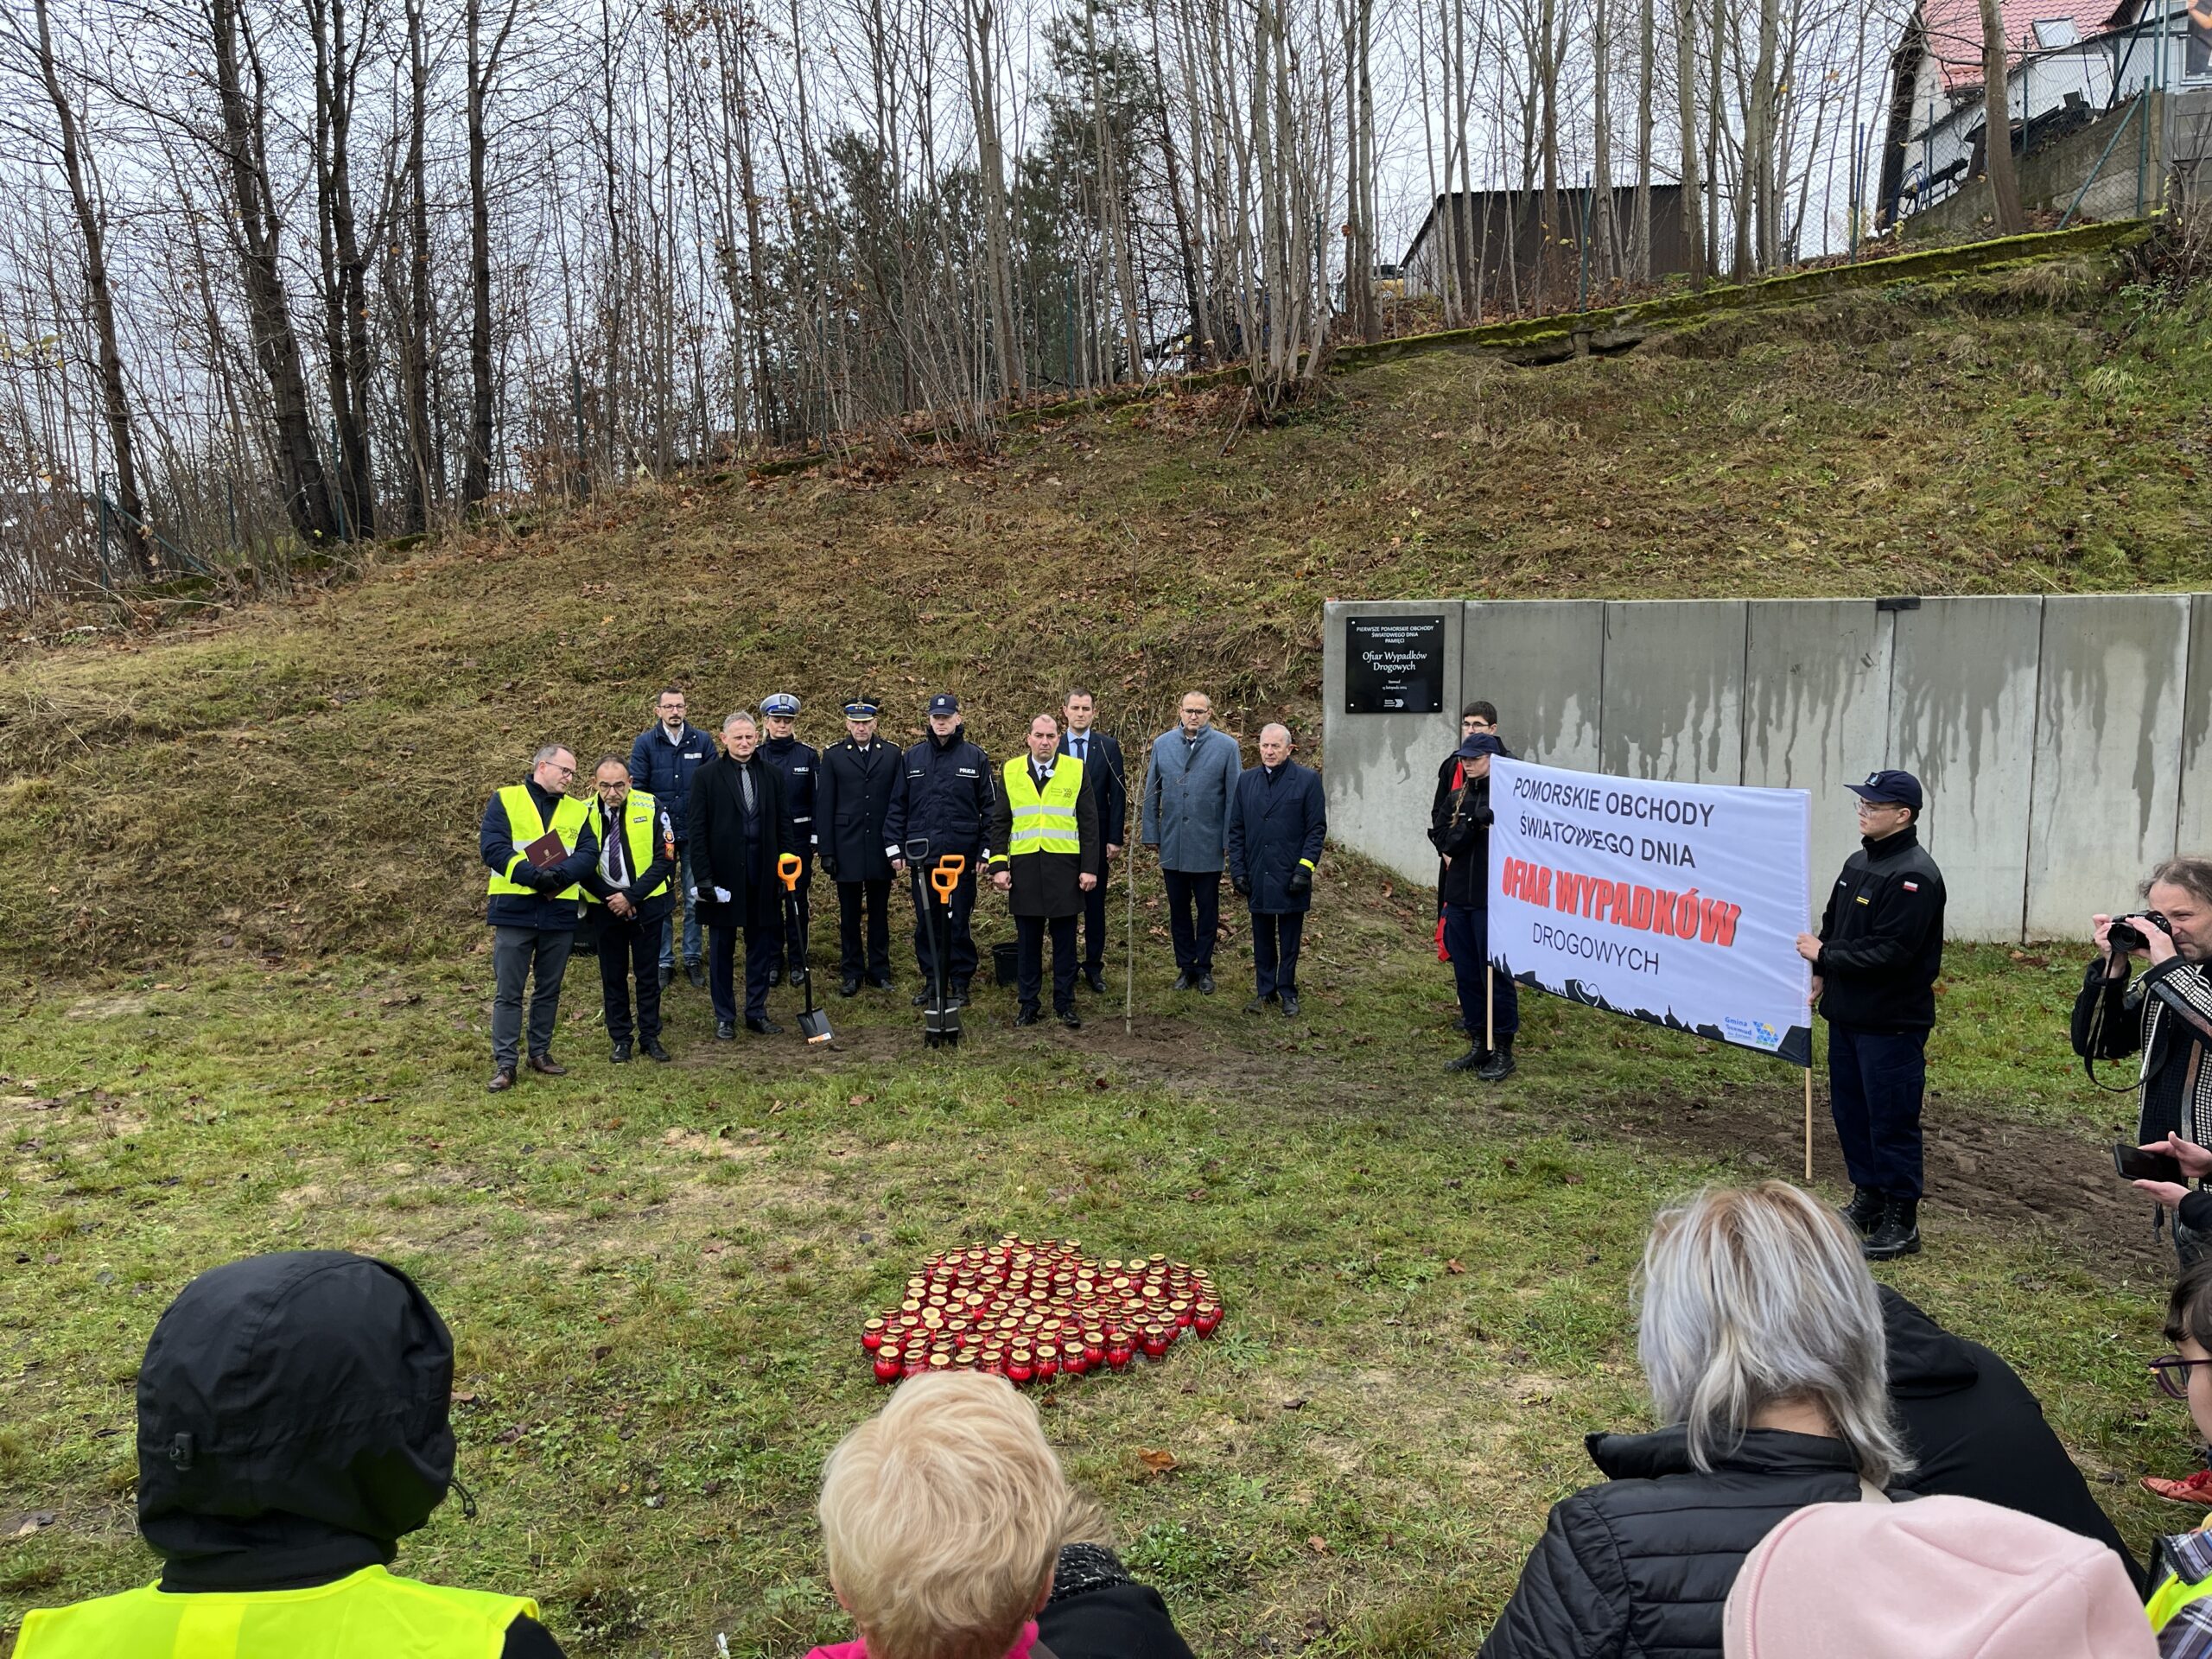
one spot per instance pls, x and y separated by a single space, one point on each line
1393 664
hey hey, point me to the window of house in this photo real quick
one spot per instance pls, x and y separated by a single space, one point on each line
2056 31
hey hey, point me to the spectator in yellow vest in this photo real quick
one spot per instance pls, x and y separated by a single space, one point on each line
1045 824
292 1428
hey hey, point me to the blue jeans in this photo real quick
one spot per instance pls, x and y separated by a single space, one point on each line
694 943
1876 1079
1466 938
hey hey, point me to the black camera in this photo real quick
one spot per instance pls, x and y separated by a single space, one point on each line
2126 936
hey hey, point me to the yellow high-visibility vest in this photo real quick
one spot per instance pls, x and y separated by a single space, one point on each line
525 826
1044 820
370 1614
639 822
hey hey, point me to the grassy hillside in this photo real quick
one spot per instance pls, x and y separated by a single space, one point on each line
309 774
243 997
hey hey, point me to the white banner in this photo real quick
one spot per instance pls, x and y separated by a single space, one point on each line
1679 904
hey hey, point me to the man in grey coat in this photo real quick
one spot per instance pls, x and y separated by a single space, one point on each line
1187 783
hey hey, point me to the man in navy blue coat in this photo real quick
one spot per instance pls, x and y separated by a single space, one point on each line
1277 822
1109 787
663 762
944 795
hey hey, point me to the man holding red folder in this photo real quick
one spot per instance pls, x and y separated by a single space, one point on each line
538 843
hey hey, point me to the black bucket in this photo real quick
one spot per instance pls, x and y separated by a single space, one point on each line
1005 964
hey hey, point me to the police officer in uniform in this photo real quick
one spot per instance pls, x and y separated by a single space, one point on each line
293 1427
1875 961
627 895
533 912
852 794
799 766
944 795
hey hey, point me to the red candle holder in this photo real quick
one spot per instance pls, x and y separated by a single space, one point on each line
872 1335
889 1368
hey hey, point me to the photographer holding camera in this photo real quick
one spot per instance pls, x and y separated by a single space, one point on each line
2166 1015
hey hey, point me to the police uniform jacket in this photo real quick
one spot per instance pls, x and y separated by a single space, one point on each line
852 794
799 766
943 792
1882 937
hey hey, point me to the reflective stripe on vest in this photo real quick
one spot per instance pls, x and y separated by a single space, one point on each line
1044 822
525 826
2175 1594
368 1615
638 826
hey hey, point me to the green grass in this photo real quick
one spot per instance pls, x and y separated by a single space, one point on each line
656 1276
245 986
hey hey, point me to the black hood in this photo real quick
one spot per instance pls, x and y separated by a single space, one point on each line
292 1421
1924 1357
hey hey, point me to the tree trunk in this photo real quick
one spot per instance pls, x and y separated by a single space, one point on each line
425 470
1686 109
483 64
268 308
1996 126
1639 251
115 397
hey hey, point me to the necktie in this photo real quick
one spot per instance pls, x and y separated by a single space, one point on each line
744 778
1083 747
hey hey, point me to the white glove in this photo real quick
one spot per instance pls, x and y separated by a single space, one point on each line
721 895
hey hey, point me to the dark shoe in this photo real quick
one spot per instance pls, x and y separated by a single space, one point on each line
621 1054
1289 1001
849 985
1897 1233
501 1081
1206 984
667 975
763 1027
1026 1017
1865 1209
1259 1004
1499 1066
655 1051
1473 1060
1460 1025
797 978
546 1066
694 972
1094 976
1071 1019
775 977
918 1000
1184 981
959 994
881 982
725 1030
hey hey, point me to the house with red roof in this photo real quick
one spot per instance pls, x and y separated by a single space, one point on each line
2069 64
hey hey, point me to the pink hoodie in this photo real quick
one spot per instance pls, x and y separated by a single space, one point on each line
1022 1643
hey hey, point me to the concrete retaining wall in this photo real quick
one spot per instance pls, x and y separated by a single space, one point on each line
2057 737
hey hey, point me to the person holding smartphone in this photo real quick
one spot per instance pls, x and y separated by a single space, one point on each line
2166 1017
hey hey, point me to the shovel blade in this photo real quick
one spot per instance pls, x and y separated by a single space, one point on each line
814 1026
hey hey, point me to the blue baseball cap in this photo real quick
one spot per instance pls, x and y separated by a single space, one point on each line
860 708
944 703
781 703
1479 743
1888 789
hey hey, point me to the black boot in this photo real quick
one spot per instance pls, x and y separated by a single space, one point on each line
1473 1060
1864 1210
1897 1233
1499 1065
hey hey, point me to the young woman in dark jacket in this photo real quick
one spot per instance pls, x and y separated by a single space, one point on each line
1761 1336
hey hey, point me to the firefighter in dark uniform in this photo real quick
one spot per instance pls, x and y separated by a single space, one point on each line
1875 962
943 795
852 795
798 765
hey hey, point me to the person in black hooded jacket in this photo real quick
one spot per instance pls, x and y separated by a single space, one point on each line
1761 1337
292 1428
1974 1429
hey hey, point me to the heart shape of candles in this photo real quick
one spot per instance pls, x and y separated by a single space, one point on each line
1032 1310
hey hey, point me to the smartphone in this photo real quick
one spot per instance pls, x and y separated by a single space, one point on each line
2135 1164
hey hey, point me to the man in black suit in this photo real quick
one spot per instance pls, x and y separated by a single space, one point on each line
852 792
1101 755
739 825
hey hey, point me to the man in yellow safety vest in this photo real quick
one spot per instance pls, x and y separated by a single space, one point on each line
1045 824
535 904
627 894
292 1428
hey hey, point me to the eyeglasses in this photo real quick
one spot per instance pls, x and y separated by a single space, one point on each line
565 772
2170 1372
